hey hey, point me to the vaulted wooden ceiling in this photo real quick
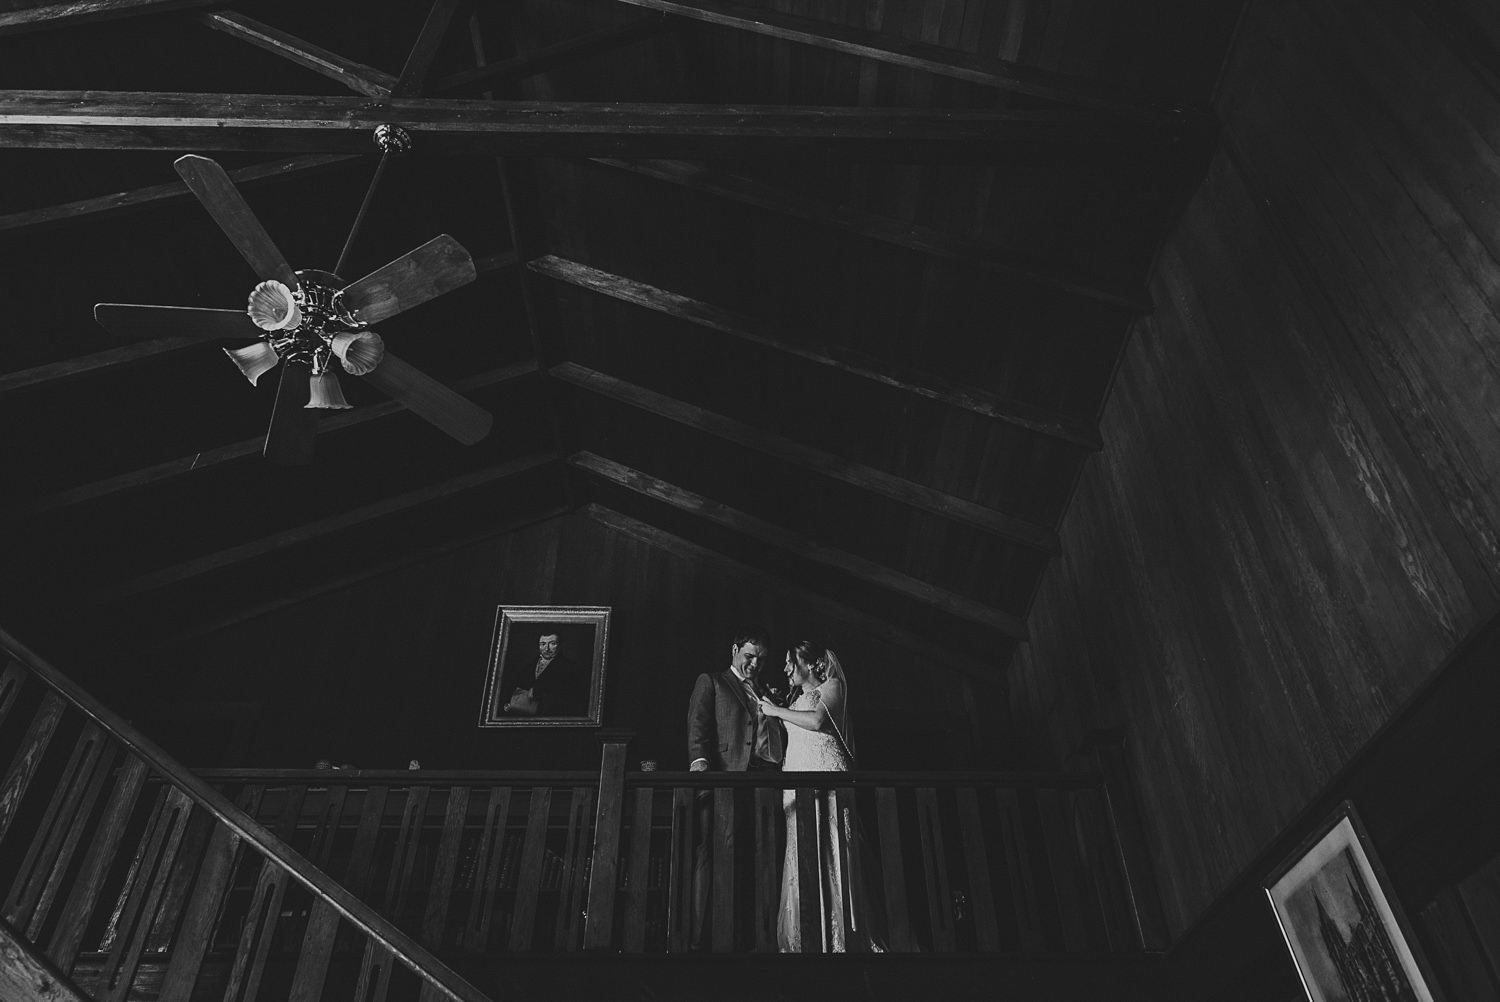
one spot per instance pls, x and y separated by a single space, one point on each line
833 289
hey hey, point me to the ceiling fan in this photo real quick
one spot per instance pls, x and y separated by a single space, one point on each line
313 323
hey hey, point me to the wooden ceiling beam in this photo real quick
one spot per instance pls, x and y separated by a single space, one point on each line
802 546
272 122
357 77
816 461
886 229
331 422
176 636
814 603
991 405
72 368
62 15
470 83
313 530
162 194
983 70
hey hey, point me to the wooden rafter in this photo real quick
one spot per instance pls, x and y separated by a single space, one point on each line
814 603
206 122
357 77
61 15
887 229
816 461
414 74
550 57
991 405
315 530
984 70
313 590
330 423
161 194
800 545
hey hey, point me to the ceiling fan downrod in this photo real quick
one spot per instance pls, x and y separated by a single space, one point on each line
390 139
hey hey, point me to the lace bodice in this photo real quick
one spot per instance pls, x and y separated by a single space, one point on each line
812 751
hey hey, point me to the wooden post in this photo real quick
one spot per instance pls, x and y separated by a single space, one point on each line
1108 748
608 822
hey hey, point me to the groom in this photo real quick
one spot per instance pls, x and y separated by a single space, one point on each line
727 732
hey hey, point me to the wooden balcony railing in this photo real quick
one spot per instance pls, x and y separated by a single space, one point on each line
131 877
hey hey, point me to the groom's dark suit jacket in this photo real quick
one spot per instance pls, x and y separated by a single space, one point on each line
721 724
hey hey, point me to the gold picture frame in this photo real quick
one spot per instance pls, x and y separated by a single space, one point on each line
569 689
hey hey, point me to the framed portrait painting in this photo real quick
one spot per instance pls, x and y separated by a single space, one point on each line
546 666
1349 939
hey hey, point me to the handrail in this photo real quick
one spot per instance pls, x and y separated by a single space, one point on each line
351 908
658 780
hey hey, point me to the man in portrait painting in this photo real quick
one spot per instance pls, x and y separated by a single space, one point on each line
547 683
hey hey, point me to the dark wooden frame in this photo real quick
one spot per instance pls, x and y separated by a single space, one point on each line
1343 831
565 616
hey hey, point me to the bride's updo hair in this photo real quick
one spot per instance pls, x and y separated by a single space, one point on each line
814 656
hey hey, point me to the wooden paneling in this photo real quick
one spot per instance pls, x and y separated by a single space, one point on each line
1294 518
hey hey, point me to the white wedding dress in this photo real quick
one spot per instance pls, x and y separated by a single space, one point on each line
818 751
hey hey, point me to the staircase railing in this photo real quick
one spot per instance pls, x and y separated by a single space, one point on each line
131 856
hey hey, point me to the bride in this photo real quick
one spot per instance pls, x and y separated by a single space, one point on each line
819 740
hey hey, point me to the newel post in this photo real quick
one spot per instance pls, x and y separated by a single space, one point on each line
1108 749
608 821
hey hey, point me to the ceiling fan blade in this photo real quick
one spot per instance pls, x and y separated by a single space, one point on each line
294 428
430 399
206 179
438 266
129 320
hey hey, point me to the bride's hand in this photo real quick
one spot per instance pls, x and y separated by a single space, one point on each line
767 707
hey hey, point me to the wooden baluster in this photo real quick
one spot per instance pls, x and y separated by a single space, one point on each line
1133 855
61 820
723 870
198 918
377 962
357 877
11 682
893 871
435 919
986 925
73 835
570 888
857 906
62 948
259 931
487 870
1063 866
636 883
1018 864
323 921
33 747
809 873
939 897
770 819
139 914
189 853
529 881
680 891
604 869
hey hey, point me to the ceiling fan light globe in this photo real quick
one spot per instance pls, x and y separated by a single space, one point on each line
254 360
325 393
359 351
273 307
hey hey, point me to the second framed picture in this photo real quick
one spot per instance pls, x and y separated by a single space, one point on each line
546 666
1348 937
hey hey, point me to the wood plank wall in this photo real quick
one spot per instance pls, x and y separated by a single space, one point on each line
392 668
1295 515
